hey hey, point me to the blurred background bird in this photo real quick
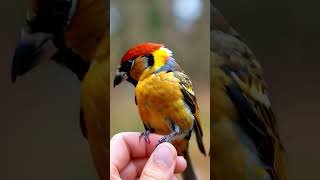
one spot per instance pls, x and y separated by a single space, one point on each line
74 34
164 96
245 143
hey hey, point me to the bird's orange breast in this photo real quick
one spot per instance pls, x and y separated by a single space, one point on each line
160 101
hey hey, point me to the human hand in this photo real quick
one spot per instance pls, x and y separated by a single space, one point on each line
131 159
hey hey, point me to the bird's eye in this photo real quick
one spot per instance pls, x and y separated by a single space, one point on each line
126 66
150 60
51 17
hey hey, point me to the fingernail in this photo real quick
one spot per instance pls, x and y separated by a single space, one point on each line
163 156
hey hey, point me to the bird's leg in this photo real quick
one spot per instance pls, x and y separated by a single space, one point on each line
145 135
168 138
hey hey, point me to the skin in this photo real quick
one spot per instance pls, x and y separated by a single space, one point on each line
132 159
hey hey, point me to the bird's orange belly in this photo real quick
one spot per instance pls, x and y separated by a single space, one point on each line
160 103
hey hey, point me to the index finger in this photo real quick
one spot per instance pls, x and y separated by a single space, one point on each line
126 146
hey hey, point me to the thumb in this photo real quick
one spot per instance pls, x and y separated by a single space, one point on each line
161 163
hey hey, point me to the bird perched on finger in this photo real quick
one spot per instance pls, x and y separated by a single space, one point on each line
246 143
164 96
74 34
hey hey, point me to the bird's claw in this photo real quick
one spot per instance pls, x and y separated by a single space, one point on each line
163 139
145 135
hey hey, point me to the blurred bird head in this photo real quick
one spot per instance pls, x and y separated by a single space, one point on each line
143 60
42 34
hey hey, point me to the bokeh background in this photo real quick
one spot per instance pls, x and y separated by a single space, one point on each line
284 35
183 26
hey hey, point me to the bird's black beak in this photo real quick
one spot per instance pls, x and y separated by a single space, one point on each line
118 78
31 50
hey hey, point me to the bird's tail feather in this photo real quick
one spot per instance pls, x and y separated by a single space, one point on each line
189 173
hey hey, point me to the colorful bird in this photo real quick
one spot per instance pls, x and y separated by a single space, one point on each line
75 34
164 96
245 143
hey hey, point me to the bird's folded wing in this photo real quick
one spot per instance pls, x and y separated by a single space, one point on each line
248 92
190 100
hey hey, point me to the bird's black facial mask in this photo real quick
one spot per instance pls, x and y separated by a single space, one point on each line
42 34
124 71
51 16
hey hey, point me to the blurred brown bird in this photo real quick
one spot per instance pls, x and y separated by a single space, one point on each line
245 143
74 34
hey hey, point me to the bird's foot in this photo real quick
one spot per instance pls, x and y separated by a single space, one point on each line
164 139
145 134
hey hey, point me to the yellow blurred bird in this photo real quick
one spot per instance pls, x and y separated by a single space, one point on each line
75 34
245 143
164 96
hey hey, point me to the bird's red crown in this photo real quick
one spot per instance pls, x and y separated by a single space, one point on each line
140 50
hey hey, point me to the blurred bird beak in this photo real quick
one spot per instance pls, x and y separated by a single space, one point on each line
118 78
32 50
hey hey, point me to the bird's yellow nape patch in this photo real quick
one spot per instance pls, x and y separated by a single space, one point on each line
160 57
